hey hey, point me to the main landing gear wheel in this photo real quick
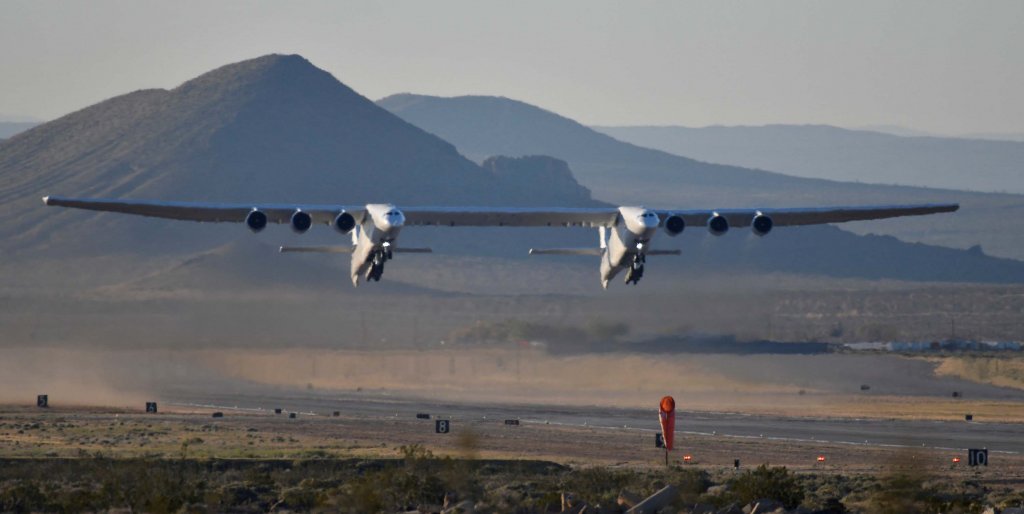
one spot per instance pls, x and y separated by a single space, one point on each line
375 272
377 266
636 271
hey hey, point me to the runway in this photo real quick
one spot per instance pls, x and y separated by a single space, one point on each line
1007 438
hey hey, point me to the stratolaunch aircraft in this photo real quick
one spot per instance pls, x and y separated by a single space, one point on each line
625 233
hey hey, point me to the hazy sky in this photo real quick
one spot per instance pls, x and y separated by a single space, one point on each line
942 66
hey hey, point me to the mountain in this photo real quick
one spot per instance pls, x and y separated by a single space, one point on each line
270 129
821 151
624 173
10 128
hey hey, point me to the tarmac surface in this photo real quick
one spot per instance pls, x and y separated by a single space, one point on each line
1007 438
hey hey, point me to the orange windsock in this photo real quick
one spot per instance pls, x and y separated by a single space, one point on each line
667 417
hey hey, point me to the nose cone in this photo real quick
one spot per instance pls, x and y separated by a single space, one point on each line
386 217
395 218
649 220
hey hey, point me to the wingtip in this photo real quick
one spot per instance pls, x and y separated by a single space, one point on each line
46 200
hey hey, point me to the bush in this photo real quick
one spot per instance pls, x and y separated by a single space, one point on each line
22 497
773 483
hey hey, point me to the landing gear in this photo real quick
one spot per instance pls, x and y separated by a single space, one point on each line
377 264
636 270
375 272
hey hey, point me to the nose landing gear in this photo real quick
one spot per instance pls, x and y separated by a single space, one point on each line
636 269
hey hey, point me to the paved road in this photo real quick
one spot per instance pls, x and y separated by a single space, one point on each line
997 437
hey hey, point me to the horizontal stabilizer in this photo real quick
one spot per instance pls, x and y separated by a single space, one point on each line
318 249
345 249
592 251
567 251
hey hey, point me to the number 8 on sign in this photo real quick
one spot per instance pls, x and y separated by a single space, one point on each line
442 426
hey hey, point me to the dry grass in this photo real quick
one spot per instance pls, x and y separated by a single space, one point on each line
1003 371
700 383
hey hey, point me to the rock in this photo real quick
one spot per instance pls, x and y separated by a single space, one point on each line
656 501
702 508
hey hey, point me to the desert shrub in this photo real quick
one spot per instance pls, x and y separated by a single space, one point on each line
910 493
22 496
776 483
302 498
692 483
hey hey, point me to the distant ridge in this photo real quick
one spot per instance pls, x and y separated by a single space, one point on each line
627 173
822 151
10 128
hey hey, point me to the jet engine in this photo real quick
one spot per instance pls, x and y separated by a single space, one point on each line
256 220
674 225
301 222
344 223
718 225
761 224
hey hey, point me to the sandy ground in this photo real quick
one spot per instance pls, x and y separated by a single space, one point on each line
27 432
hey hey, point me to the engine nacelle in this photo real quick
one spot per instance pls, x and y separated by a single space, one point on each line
674 225
761 224
344 223
301 221
718 225
256 220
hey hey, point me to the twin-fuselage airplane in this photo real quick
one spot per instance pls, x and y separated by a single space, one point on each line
625 233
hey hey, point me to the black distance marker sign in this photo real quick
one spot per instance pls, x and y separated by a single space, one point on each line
442 426
977 457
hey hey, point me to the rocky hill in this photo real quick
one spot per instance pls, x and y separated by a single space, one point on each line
271 129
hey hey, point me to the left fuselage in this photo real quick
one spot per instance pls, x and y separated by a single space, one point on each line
374 239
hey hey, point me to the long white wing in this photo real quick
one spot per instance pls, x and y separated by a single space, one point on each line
206 212
809 216
491 217
511 217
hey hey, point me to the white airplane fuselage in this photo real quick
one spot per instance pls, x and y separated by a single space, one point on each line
374 238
